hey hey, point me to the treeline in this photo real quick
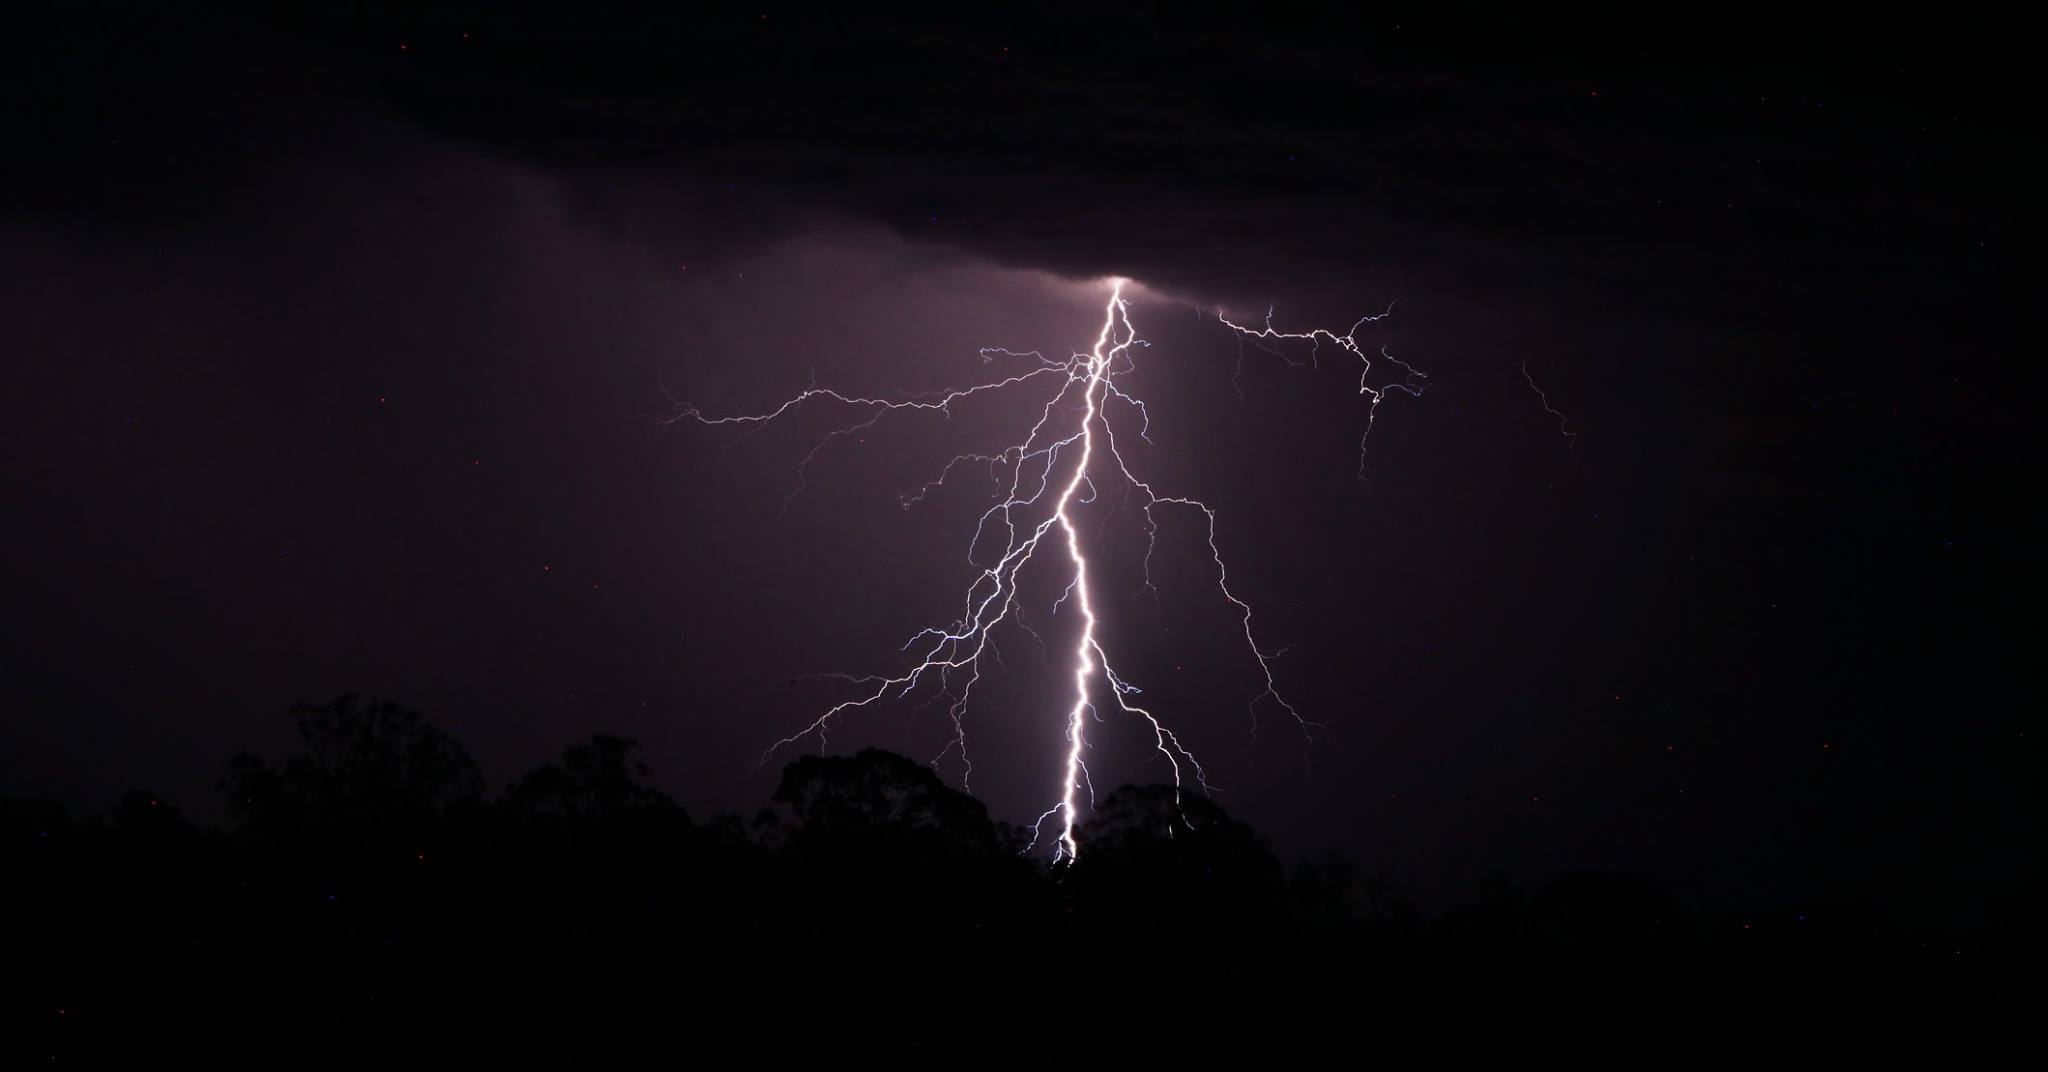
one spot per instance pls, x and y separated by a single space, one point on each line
371 905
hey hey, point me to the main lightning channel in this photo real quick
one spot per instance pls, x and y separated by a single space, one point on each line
948 658
1084 652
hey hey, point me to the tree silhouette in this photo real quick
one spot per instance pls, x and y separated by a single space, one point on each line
364 766
375 904
897 848
878 799
594 781
1154 851
141 815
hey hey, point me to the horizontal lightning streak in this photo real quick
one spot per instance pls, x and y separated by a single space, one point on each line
1411 385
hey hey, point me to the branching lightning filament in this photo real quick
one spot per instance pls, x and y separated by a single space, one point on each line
1069 450
1571 438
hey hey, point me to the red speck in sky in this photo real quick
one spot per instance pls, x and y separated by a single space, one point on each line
547 569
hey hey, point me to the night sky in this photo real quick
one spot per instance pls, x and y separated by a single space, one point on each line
341 340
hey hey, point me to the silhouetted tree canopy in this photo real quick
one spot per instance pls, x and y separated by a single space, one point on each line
1158 848
24 819
142 815
362 765
376 910
879 797
593 781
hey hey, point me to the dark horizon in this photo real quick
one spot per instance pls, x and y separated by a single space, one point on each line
370 901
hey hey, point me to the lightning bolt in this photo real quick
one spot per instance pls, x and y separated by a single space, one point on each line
1054 468
1411 384
1571 438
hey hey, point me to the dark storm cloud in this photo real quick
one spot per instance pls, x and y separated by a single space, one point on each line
1218 156
1229 159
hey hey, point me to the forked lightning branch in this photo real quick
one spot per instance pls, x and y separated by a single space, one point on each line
1068 456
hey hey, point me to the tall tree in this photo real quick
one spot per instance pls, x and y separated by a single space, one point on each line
363 765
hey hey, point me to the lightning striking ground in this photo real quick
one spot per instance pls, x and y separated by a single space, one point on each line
1052 469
